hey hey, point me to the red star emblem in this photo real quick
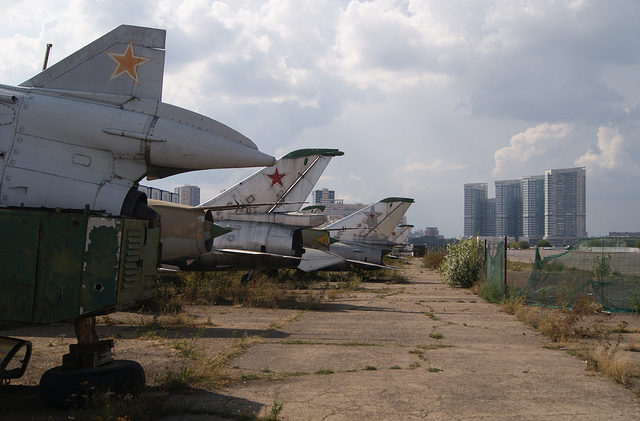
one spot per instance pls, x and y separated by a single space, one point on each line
276 177
128 62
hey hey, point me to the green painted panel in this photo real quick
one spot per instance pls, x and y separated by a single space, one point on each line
102 255
18 258
60 266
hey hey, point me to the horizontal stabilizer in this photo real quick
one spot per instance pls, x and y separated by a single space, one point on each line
314 259
127 61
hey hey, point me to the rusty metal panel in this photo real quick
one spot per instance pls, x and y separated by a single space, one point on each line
102 258
18 258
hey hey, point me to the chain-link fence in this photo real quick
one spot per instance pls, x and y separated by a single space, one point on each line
611 278
610 275
494 264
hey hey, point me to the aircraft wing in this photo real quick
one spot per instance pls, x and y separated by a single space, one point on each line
370 266
314 259
257 253
113 64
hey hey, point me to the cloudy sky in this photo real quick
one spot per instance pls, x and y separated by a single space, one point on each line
422 96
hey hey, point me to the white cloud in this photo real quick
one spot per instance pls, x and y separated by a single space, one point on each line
422 95
609 155
532 142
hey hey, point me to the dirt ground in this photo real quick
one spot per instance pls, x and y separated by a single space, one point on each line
414 350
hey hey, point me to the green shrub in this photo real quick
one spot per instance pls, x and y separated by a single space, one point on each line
543 243
524 244
463 263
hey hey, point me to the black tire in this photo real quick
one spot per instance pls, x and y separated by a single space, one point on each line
64 388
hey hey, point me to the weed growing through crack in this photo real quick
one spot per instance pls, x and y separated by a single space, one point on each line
276 408
430 315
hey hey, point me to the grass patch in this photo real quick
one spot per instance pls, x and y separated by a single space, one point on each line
395 367
370 368
413 366
265 289
187 349
325 371
436 335
105 406
429 347
607 359
433 259
434 369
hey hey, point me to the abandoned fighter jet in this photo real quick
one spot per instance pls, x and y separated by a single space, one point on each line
362 238
77 238
400 238
262 218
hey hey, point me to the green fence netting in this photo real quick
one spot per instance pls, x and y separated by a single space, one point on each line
611 278
494 265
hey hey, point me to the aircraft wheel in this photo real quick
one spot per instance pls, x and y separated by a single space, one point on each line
64 388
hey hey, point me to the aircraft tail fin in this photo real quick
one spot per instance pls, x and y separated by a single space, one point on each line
281 188
400 234
126 61
376 221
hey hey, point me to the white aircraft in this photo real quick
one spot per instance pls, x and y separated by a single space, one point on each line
77 238
400 236
362 238
87 129
260 214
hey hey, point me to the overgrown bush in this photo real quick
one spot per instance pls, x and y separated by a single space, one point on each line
463 263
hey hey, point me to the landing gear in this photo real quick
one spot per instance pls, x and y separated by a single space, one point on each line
88 368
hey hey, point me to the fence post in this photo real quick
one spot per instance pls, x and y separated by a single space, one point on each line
505 264
485 256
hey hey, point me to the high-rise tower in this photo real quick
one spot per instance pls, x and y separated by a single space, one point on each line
565 205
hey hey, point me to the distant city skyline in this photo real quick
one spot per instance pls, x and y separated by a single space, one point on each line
550 206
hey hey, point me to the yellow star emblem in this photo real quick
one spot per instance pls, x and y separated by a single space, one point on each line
128 62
